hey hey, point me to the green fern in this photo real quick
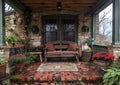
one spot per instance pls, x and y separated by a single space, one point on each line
112 75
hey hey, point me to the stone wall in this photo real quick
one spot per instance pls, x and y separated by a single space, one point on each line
14 22
83 20
115 49
36 20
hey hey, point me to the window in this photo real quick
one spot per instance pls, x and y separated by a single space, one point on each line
60 28
104 28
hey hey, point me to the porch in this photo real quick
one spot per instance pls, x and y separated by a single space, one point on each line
31 24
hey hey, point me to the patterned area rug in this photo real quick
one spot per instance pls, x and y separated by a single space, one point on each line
61 66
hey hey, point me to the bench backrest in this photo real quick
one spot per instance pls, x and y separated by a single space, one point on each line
62 45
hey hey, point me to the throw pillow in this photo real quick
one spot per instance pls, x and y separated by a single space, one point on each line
50 47
72 47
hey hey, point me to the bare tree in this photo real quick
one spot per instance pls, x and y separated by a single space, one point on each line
104 31
105 24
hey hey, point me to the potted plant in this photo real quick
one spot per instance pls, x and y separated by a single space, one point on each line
3 62
11 40
18 60
103 58
90 42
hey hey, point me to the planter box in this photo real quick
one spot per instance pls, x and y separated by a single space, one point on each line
86 56
2 70
102 63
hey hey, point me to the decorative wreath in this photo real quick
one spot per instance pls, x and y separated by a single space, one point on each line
85 28
35 29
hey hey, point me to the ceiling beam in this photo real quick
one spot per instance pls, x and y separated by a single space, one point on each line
87 4
70 7
37 8
65 1
63 11
54 5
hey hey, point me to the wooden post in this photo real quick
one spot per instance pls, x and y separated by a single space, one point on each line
116 22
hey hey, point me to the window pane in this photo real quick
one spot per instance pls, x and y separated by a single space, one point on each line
50 29
51 32
69 30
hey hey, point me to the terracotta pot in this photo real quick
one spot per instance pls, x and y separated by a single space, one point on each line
20 64
20 44
10 44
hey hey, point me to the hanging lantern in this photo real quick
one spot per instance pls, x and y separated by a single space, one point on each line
85 28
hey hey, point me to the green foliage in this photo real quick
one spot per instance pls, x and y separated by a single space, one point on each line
90 41
20 57
2 60
29 58
14 51
17 59
112 75
57 83
17 76
12 39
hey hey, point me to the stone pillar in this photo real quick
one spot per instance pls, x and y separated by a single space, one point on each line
2 22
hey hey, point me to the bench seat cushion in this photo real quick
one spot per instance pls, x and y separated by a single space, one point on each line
50 47
72 47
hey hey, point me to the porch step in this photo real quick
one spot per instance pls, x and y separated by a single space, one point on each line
88 73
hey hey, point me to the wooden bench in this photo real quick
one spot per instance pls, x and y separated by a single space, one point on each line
61 49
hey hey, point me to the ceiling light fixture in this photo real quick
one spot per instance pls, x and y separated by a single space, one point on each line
59 5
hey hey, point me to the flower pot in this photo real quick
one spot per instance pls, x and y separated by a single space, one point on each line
20 64
10 44
2 70
18 60
101 63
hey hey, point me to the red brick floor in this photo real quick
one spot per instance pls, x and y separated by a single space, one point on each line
88 73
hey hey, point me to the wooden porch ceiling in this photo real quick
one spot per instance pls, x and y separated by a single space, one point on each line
67 5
